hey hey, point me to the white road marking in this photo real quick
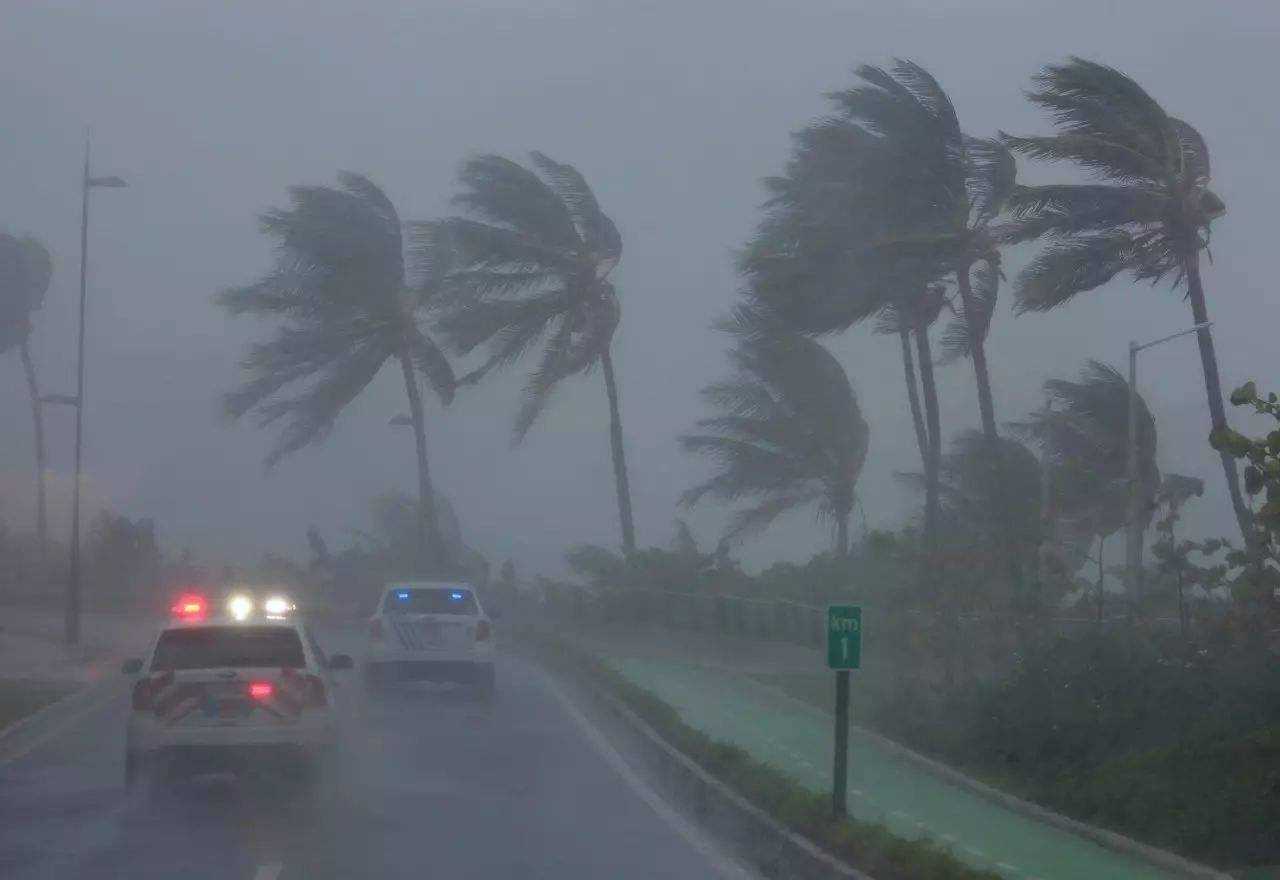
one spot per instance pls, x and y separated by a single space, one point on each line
1012 869
724 865
269 871
58 730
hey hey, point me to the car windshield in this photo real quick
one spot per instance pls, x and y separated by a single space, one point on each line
435 600
220 647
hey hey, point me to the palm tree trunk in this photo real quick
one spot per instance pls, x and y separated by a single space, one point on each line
913 395
1102 574
37 420
842 534
934 437
978 351
621 484
1213 389
429 537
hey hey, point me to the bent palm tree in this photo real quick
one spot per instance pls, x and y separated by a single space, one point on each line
946 191
811 262
789 432
1085 432
347 306
25 271
1150 218
533 269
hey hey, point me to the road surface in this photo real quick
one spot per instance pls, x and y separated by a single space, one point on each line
436 784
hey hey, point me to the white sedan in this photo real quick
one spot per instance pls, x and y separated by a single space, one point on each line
430 631
235 691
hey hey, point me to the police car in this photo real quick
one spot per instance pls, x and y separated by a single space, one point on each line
430 631
248 687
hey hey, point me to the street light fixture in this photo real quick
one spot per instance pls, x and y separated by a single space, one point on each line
88 182
1133 525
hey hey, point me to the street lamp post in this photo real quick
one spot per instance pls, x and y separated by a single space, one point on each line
1133 522
87 182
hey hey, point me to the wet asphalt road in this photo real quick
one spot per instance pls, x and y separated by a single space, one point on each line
434 784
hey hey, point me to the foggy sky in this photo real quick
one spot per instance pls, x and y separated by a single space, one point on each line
674 112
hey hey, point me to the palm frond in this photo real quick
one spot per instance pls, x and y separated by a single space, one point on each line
506 193
1070 266
485 246
1117 128
965 329
758 517
594 226
309 415
1067 209
1193 152
553 367
431 362
992 177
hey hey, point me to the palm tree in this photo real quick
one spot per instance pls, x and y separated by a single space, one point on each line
789 432
945 190
25 271
346 305
1150 216
533 266
1084 431
810 262
910 316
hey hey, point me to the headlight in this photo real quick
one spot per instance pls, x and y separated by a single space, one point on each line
277 606
239 606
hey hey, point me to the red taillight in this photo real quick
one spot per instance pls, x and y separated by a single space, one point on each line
261 690
189 607
482 631
375 628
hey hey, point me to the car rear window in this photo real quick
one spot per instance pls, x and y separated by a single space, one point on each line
217 647
432 600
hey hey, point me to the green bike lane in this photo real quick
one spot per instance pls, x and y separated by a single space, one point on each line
883 787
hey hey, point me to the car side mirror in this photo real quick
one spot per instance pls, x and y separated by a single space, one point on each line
132 666
341 661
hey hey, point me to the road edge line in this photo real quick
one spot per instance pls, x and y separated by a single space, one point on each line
62 725
725 865
14 728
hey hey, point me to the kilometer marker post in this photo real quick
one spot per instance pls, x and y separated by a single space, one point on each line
844 652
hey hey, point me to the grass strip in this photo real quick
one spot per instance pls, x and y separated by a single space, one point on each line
870 847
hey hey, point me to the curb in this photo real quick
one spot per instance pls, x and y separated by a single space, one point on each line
1163 859
757 837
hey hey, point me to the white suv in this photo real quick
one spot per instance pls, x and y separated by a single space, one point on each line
430 631
220 693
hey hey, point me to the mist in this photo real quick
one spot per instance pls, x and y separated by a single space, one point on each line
673 113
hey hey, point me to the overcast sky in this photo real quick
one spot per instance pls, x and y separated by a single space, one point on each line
673 110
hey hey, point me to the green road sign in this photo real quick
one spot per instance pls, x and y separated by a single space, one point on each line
844 636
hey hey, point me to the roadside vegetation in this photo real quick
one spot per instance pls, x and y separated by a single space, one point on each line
1143 696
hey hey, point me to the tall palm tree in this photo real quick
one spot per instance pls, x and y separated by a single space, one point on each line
788 432
25 271
1149 217
946 190
346 305
533 266
812 264
910 316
